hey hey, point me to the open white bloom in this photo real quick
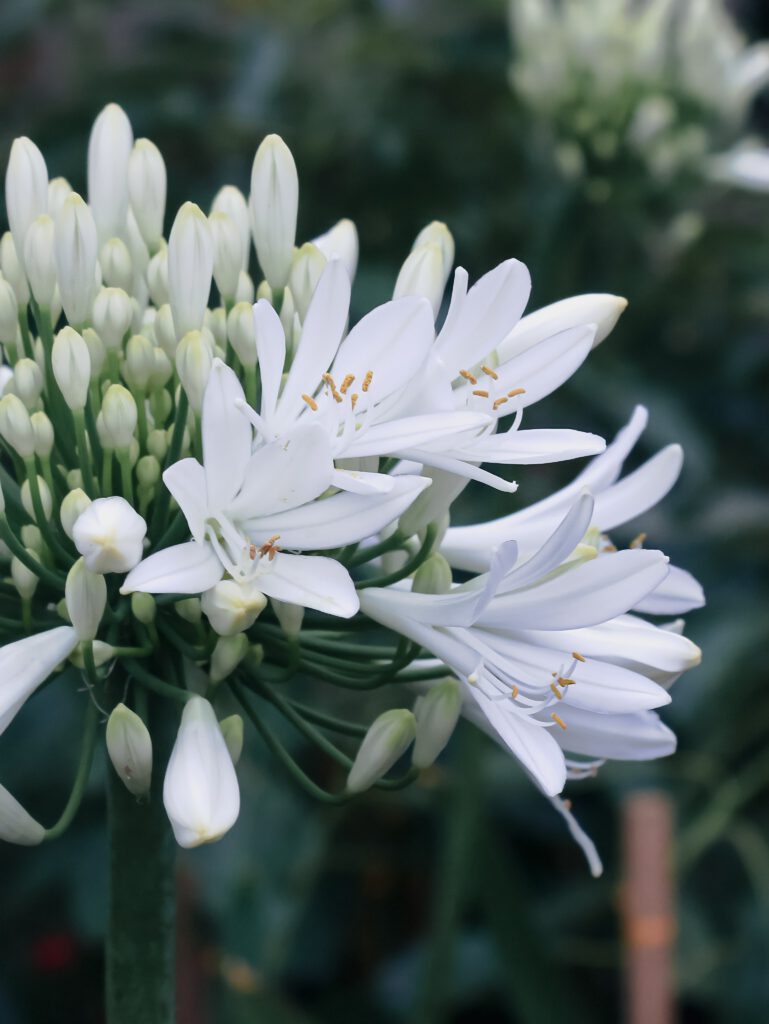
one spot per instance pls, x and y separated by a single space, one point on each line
200 791
109 535
25 664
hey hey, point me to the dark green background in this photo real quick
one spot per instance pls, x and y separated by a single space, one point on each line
463 899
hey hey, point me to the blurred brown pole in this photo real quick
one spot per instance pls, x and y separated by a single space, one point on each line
648 909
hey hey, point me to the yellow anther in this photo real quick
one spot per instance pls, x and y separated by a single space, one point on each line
577 656
556 691
481 393
490 373
515 392
468 376
498 402
367 380
353 400
330 381
558 720
514 692
347 382
609 547
564 681
311 402
637 542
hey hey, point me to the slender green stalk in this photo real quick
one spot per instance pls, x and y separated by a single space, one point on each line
87 747
26 340
50 576
44 525
90 485
411 566
160 515
126 476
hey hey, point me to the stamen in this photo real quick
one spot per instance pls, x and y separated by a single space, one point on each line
468 376
490 373
311 402
354 400
577 656
481 393
565 681
347 382
558 720
330 381
367 380
515 392
498 402
556 691
514 692
637 542
610 547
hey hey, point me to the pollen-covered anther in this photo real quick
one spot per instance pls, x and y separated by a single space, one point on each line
353 399
514 692
498 402
490 373
637 542
468 376
577 656
268 548
311 402
565 681
481 393
348 380
367 380
515 392
556 691
558 720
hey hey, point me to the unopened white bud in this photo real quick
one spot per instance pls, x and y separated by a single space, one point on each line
423 273
437 714
13 271
112 315
216 323
437 233
603 310
119 416
228 252
433 576
139 362
129 746
162 372
148 471
190 267
189 610
232 607
28 378
288 315
240 331
45 498
341 243
59 190
102 653
194 359
387 739
15 426
200 790
245 289
9 313
232 731
273 207
74 479
26 190
147 190
157 276
264 292
116 265
40 261
86 595
109 535
43 430
23 578
165 332
17 825
32 538
228 654
71 367
109 150
306 268
230 200
73 504
290 616
96 352
76 251
157 444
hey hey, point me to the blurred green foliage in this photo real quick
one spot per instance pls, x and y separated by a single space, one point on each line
464 899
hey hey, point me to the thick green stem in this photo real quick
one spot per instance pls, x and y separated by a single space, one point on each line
141 932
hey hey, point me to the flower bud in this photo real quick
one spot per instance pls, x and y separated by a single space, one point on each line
23 578
287 315
76 250
147 190
32 538
129 746
43 430
148 471
109 150
28 378
232 607
437 233
9 313
97 353
341 243
16 825
190 266
228 252
423 273
40 261
230 200
13 271
45 498
26 190
240 331
157 277
245 290
102 653
273 207
165 332
228 654
15 426
143 608
264 292
436 713
112 315
387 739
306 269
162 372
216 323
200 790
59 190
73 504
119 413
232 731
290 616
116 265
109 535
433 576
189 610
194 359
74 479
139 362
157 444
71 367
86 595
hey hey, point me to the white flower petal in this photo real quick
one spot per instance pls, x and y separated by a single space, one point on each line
459 467
640 490
16 824
641 736
271 351
189 568
26 663
359 482
389 437
532 447
226 436
603 310
679 592
312 582
186 480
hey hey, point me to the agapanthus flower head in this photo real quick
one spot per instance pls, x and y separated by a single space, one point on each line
280 479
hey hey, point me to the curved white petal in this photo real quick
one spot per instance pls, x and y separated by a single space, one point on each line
394 435
26 663
312 582
271 351
452 464
186 480
531 447
641 736
679 592
189 568
600 309
226 436
359 482
640 490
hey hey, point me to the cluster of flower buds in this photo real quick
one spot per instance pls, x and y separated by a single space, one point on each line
211 484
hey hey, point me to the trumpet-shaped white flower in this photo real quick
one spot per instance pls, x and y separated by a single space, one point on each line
25 664
200 790
109 535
